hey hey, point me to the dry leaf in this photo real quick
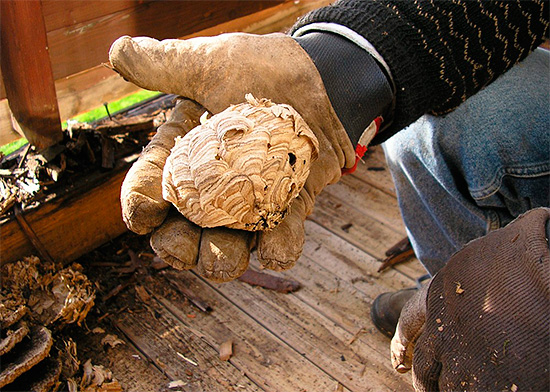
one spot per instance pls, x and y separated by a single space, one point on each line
226 350
142 294
72 386
459 289
111 340
98 330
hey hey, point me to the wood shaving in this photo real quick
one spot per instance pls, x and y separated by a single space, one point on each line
176 384
142 294
187 359
226 350
111 340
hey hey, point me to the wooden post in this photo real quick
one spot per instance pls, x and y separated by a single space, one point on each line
27 72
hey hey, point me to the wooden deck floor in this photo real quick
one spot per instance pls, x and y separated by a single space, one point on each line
317 339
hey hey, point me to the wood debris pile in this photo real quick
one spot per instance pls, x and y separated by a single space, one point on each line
37 300
29 177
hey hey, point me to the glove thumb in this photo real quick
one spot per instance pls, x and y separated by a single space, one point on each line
410 326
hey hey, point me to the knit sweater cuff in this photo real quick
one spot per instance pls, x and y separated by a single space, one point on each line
357 84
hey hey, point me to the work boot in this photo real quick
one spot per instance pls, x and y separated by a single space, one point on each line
386 309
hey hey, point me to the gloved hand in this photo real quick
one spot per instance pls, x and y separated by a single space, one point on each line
482 323
217 72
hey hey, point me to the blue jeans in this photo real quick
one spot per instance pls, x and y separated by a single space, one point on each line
475 169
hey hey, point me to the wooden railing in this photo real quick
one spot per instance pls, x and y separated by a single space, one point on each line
89 225
52 50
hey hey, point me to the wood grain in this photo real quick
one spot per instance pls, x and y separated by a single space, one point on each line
84 45
69 226
265 358
27 72
92 87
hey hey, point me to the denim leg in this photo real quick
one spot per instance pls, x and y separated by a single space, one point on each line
474 170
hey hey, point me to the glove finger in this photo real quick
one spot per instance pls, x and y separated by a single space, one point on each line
143 207
224 253
159 65
280 248
176 241
409 328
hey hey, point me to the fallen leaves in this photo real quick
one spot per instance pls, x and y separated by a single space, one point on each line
96 379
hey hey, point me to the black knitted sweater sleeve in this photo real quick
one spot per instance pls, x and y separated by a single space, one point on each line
440 52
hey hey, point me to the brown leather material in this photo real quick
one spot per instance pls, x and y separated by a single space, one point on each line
223 253
387 308
176 241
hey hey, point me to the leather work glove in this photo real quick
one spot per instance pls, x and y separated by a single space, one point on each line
216 72
483 322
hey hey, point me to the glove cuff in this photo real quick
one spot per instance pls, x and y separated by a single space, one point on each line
358 88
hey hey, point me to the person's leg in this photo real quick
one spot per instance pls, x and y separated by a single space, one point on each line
474 170
461 175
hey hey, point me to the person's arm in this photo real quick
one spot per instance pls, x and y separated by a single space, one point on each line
438 53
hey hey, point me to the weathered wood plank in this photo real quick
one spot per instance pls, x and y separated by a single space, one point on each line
69 226
345 221
65 13
316 337
368 200
351 263
343 292
373 169
129 366
275 19
179 352
91 88
27 72
261 355
79 47
361 230
366 216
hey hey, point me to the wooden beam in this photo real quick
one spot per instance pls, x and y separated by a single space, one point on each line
91 88
85 45
60 14
69 226
91 226
27 72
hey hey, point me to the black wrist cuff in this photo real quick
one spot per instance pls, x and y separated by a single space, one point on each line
358 89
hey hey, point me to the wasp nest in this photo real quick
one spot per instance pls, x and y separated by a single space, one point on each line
242 167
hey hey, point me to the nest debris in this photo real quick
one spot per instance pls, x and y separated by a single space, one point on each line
37 300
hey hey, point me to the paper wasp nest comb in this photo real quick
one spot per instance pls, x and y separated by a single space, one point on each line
242 167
